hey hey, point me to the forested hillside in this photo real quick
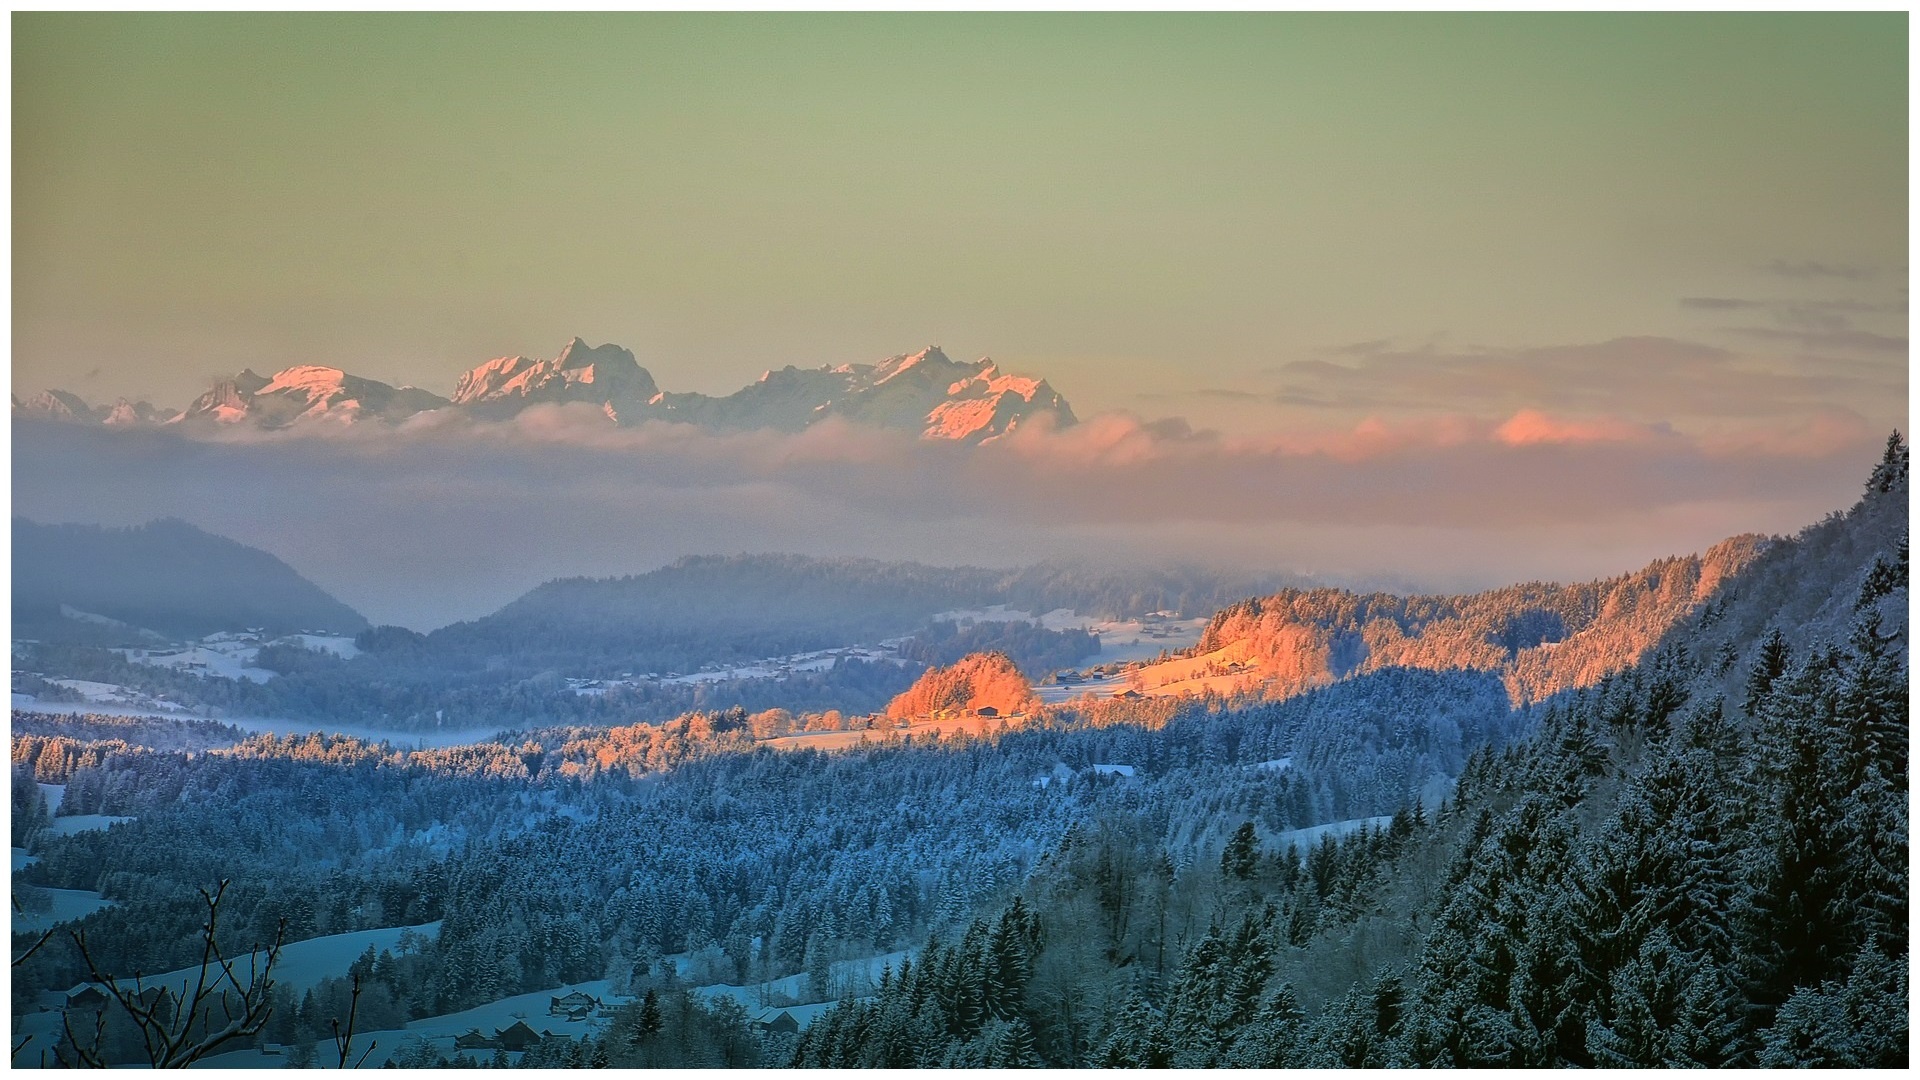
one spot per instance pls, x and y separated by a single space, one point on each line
1699 860
1542 638
726 610
165 576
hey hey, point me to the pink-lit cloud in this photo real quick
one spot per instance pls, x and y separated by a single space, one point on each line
442 517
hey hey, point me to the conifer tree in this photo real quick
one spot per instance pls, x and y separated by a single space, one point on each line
1242 855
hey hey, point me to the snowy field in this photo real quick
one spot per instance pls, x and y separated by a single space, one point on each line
1133 639
79 823
100 697
303 964
67 905
440 1031
1055 693
1306 839
776 667
228 660
1120 640
231 656
858 977
405 740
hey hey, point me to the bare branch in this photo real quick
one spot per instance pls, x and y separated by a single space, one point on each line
169 1041
344 1043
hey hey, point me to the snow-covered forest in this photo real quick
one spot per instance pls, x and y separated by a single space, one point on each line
1679 841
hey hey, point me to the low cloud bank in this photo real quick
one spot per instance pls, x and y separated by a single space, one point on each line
442 518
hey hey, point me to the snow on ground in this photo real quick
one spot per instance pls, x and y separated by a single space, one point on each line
132 703
1276 765
440 1031
825 740
67 905
342 647
303 964
1106 686
794 994
42 1032
1306 839
22 860
232 656
532 1008
79 823
945 727
107 694
224 655
1132 639
1120 639
404 740
776 667
53 793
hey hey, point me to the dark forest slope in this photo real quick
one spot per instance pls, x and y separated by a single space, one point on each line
165 576
1702 861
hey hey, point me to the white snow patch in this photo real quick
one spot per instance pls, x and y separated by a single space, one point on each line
1309 838
67 905
224 655
303 964
79 823
342 647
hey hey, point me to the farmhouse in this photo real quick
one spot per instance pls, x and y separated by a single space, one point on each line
774 1020
518 1037
473 1040
86 996
577 1005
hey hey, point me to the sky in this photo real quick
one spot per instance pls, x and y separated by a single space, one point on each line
1294 262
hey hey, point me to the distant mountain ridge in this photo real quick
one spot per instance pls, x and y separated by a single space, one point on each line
74 582
925 393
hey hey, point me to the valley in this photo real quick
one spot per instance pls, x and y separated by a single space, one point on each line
502 577
1278 785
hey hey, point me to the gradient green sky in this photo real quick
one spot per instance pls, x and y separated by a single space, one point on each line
1157 212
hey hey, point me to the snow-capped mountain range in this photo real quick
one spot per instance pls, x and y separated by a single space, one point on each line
923 392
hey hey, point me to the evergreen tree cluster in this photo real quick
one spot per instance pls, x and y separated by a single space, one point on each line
1699 860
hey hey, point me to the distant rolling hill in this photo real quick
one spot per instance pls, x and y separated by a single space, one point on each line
91 583
731 609
1541 638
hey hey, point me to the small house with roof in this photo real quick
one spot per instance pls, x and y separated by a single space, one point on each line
473 1040
774 1020
577 1005
518 1037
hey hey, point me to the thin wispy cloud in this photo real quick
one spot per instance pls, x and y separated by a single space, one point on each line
1808 268
1644 378
1846 340
1825 325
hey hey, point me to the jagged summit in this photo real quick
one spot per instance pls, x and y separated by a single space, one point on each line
925 392
301 393
55 405
927 360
